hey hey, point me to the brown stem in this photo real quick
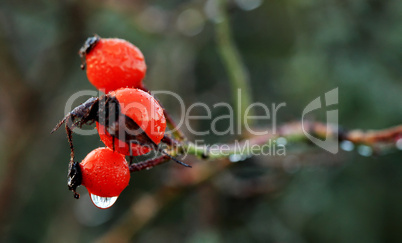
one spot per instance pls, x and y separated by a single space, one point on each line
70 141
148 164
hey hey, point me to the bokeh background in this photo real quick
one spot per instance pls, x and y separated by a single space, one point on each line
294 51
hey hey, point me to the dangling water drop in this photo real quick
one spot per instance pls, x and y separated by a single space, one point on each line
103 202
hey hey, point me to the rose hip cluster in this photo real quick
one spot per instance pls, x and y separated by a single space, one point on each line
129 121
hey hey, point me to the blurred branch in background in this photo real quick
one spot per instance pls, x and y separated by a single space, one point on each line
235 68
294 133
147 207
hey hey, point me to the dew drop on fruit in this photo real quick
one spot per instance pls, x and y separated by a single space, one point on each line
103 202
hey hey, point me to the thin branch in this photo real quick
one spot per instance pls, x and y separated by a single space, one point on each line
380 141
294 133
148 164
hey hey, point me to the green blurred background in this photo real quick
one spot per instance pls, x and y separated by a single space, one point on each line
294 50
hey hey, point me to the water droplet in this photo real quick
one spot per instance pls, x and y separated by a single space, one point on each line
238 157
365 150
347 145
88 215
399 144
281 141
103 202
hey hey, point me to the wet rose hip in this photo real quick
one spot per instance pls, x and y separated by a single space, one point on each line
113 63
105 174
145 111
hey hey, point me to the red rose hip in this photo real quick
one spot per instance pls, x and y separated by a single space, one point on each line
145 111
113 63
105 174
